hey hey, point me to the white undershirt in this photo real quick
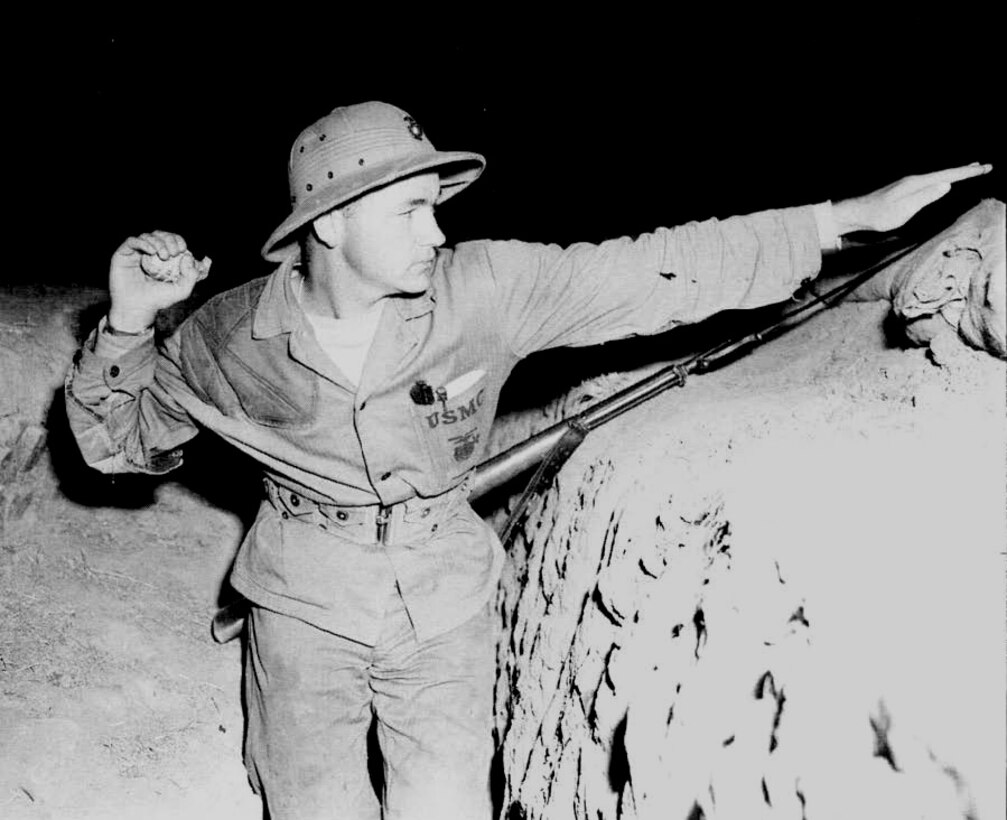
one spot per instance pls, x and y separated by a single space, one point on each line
345 341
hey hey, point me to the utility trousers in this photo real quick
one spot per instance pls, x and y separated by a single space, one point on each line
311 697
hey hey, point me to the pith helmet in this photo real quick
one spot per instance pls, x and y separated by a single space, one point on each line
357 149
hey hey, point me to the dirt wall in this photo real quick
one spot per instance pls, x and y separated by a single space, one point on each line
775 592
39 331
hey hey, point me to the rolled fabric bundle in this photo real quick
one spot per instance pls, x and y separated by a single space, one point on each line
955 281
983 323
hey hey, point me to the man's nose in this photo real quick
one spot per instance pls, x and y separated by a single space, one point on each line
430 232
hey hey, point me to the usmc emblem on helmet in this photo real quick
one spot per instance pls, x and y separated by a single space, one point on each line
414 128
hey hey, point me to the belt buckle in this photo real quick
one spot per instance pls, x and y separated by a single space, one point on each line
382 519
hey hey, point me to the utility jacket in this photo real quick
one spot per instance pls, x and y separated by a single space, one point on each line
247 367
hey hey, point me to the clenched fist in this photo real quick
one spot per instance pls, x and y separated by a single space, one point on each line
150 272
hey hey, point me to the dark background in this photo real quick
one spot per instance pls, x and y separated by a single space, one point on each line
595 128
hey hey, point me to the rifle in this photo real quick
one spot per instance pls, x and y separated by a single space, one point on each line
550 448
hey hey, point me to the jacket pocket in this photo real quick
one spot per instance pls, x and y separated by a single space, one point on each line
453 432
255 378
268 395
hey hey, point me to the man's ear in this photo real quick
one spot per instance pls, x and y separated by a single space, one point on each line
329 228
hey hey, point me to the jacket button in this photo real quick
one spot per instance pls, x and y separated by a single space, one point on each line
294 500
341 515
385 476
113 371
284 514
425 513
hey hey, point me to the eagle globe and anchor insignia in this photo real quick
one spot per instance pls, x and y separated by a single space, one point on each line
414 128
465 444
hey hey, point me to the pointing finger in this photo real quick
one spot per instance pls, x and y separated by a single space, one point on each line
958 174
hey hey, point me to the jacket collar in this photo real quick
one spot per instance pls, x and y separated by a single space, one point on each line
277 311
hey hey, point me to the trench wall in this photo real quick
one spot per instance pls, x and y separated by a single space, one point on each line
40 329
777 592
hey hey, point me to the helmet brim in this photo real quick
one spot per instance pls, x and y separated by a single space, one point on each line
457 170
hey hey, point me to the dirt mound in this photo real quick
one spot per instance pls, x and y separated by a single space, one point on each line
776 592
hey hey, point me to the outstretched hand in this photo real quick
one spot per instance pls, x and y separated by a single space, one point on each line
150 272
894 205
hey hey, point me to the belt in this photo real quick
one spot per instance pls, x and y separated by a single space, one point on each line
412 520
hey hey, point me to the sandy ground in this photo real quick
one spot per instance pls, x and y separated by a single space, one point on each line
114 700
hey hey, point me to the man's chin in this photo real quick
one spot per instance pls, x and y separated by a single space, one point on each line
414 291
417 284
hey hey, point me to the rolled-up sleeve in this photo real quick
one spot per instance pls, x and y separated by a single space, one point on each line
120 408
547 296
